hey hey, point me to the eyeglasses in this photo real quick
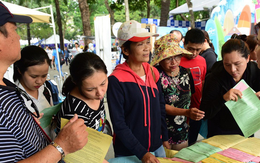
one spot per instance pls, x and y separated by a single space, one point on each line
25 95
170 59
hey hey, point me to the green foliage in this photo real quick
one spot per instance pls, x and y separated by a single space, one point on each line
120 16
137 5
155 10
115 5
96 8
72 22
43 30
137 14
71 17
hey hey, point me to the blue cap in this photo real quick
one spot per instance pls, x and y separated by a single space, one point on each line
7 16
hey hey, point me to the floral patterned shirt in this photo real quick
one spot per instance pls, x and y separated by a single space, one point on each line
177 92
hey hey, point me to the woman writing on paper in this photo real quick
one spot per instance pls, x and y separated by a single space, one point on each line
85 89
219 83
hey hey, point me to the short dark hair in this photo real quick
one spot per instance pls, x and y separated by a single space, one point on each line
126 45
30 56
3 30
82 66
235 45
194 35
251 42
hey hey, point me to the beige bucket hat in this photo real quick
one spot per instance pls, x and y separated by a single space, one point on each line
165 47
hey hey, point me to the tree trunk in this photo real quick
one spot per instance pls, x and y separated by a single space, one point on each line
28 34
111 12
59 24
192 22
164 12
177 3
85 15
184 17
148 8
127 18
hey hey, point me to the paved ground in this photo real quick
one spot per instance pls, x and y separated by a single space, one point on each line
65 69
54 73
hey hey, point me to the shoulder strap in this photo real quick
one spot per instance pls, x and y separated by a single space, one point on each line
47 95
54 91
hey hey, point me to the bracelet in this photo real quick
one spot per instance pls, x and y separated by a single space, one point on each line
59 149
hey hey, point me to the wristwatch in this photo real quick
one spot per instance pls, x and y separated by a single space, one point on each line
59 149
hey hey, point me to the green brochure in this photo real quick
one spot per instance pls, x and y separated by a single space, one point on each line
246 110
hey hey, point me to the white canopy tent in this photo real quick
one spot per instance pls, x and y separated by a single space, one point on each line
38 17
51 40
197 5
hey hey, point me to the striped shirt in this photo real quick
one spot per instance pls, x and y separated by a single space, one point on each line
92 118
20 135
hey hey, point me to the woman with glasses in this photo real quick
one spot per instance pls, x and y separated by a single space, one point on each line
30 74
177 85
219 83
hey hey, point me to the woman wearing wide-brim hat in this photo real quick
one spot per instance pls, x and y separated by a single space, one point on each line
135 100
177 85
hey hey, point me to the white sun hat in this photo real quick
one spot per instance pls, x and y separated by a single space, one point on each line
132 31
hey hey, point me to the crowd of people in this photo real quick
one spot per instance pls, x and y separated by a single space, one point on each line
67 54
152 106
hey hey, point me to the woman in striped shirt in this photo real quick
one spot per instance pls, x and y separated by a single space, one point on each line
85 89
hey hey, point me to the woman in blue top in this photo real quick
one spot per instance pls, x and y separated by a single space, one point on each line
135 101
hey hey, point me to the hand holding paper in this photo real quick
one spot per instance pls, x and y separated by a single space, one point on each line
73 136
94 151
232 94
258 94
246 110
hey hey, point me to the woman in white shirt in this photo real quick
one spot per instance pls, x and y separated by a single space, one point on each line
30 74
